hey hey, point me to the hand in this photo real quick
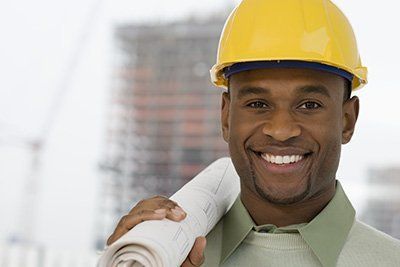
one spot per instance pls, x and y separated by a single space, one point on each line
155 208
196 255
158 208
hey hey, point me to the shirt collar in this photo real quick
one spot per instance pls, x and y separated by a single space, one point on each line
325 234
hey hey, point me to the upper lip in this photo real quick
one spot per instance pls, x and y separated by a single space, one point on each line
282 151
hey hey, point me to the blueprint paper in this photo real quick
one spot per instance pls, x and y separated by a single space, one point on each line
164 243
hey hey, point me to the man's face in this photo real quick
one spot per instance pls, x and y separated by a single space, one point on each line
285 128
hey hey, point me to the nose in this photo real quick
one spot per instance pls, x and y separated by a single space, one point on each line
281 126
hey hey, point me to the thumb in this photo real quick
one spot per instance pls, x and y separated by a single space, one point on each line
196 255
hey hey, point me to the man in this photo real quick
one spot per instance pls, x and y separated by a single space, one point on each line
289 67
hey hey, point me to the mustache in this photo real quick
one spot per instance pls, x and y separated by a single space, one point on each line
298 141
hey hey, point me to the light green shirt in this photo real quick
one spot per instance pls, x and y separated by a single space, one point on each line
325 235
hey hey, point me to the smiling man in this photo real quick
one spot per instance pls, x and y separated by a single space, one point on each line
285 128
289 67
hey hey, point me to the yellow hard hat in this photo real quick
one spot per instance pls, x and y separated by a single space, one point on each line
314 32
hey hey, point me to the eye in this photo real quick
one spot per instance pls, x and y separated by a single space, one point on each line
257 104
310 105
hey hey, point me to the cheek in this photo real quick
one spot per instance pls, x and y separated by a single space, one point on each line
327 128
244 131
328 165
241 126
241 129
328 137
238 134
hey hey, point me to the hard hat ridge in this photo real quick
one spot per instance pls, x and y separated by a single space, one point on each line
313 31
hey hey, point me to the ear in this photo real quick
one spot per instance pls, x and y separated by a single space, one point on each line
225 115
350 114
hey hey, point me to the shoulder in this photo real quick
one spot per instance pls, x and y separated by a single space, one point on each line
370 245
364 232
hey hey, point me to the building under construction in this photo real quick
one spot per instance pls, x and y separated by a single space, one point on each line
164 119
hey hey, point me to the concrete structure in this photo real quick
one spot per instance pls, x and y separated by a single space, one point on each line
164 114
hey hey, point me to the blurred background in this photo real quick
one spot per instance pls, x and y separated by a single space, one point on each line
103 103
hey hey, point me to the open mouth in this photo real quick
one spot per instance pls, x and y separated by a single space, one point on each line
279 160
274 163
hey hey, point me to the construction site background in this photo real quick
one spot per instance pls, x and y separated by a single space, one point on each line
133 114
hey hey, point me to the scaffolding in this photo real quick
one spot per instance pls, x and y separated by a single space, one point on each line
164 119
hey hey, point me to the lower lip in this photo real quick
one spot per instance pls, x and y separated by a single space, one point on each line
283 168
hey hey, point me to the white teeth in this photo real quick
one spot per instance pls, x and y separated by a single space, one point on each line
281 159
286 159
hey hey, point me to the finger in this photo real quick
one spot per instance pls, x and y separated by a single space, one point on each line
196 255
158 197
154 203
131 220
127 222
176 214
163 203
187 263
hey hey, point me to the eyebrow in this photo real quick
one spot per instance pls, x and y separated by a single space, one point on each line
307 89
314 89
252 90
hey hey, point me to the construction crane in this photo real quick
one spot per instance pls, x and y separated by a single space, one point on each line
36 144
12 136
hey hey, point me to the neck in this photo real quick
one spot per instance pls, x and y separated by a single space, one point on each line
265 212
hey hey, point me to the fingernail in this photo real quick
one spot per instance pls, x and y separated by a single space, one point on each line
178 212
160 211
179 208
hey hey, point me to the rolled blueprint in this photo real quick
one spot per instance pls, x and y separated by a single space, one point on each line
165 243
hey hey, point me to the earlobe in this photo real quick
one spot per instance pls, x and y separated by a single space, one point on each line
225 101
350 114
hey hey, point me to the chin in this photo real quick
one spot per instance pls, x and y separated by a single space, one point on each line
282 196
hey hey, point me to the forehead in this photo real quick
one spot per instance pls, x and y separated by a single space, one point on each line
286 80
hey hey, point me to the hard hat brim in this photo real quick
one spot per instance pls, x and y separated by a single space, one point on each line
246 66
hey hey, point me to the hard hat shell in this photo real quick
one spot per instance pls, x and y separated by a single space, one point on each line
300 30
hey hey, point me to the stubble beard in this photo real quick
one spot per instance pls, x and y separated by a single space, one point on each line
276 199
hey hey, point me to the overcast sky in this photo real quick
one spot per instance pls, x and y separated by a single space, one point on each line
38 40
